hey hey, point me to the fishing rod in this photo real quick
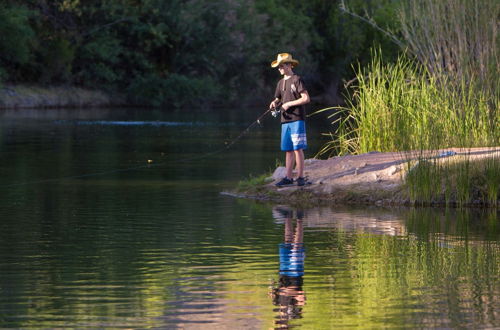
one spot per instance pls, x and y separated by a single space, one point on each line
274 111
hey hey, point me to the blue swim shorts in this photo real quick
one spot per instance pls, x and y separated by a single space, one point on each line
293 136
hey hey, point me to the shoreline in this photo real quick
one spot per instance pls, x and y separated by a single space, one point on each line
52 97
14 97
373 178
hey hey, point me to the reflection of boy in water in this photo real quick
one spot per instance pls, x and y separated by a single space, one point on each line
289 295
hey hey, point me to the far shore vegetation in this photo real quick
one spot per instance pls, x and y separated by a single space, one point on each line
180 54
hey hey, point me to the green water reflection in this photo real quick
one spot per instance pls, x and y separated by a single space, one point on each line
160 247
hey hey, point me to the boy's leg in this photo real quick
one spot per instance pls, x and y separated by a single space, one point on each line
289 162
299 159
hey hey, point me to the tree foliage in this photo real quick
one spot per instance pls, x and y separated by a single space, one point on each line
17 39
183 52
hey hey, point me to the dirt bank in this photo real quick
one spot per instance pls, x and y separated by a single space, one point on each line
371 178
12 97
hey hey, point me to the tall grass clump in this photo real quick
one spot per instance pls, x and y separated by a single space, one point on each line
402 106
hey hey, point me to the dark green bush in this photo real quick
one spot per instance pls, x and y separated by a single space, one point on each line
17 38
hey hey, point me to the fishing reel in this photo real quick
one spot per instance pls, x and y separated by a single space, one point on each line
276 110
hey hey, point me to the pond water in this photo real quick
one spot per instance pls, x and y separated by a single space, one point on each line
105 222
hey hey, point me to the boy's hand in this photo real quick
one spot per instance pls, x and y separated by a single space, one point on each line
276 104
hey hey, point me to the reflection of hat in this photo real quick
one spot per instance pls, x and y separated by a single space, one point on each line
284 58
283 212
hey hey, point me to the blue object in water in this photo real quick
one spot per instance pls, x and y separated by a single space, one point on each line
292 257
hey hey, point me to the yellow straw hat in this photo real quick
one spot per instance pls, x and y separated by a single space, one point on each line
284 58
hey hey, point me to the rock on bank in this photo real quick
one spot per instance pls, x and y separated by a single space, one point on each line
371 178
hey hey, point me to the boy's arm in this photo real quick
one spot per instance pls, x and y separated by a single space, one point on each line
304 99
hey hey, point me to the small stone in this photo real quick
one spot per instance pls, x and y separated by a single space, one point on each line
279 173
328 189
393 170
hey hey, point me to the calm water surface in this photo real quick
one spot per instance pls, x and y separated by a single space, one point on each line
87 242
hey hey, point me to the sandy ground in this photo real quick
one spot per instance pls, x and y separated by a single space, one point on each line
374 177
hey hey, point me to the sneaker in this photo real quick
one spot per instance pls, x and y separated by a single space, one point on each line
301 181
284 182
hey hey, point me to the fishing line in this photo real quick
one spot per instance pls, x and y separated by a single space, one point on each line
149 165
226 147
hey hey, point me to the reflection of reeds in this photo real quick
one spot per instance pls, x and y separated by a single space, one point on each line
402 106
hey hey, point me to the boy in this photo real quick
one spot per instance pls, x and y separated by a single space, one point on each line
292 95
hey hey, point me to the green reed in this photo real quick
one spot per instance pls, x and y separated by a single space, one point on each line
253 182
401 106
458 182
